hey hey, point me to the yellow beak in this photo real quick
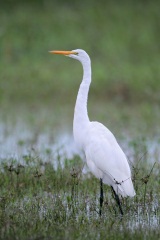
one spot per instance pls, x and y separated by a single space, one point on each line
63 52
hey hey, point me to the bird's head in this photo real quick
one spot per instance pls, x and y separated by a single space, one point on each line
78 54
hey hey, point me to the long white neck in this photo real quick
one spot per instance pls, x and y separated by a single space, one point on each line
81 119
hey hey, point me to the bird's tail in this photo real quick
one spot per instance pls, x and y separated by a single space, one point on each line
124 188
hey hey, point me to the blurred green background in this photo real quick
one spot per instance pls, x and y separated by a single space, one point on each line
123 40
121 37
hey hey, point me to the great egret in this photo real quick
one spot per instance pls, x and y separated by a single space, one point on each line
104 156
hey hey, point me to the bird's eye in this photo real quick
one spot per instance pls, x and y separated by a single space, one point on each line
76 53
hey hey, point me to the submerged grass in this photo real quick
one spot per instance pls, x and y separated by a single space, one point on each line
40 202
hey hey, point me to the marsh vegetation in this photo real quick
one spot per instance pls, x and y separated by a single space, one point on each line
45 193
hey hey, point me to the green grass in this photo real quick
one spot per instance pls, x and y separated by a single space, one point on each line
39 202
38 90
121 38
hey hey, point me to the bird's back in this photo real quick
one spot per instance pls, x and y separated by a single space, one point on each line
106 159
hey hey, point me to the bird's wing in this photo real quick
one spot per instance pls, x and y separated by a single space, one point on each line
103 150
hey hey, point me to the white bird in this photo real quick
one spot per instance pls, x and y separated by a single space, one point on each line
104 156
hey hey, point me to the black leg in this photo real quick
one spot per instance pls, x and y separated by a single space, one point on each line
117 200
101 196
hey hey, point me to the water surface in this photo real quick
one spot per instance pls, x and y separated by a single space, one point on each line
22 139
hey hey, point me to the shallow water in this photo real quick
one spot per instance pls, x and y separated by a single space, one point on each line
143 219
21 139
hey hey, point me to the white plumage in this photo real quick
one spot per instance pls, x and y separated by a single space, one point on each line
107 161
104 156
